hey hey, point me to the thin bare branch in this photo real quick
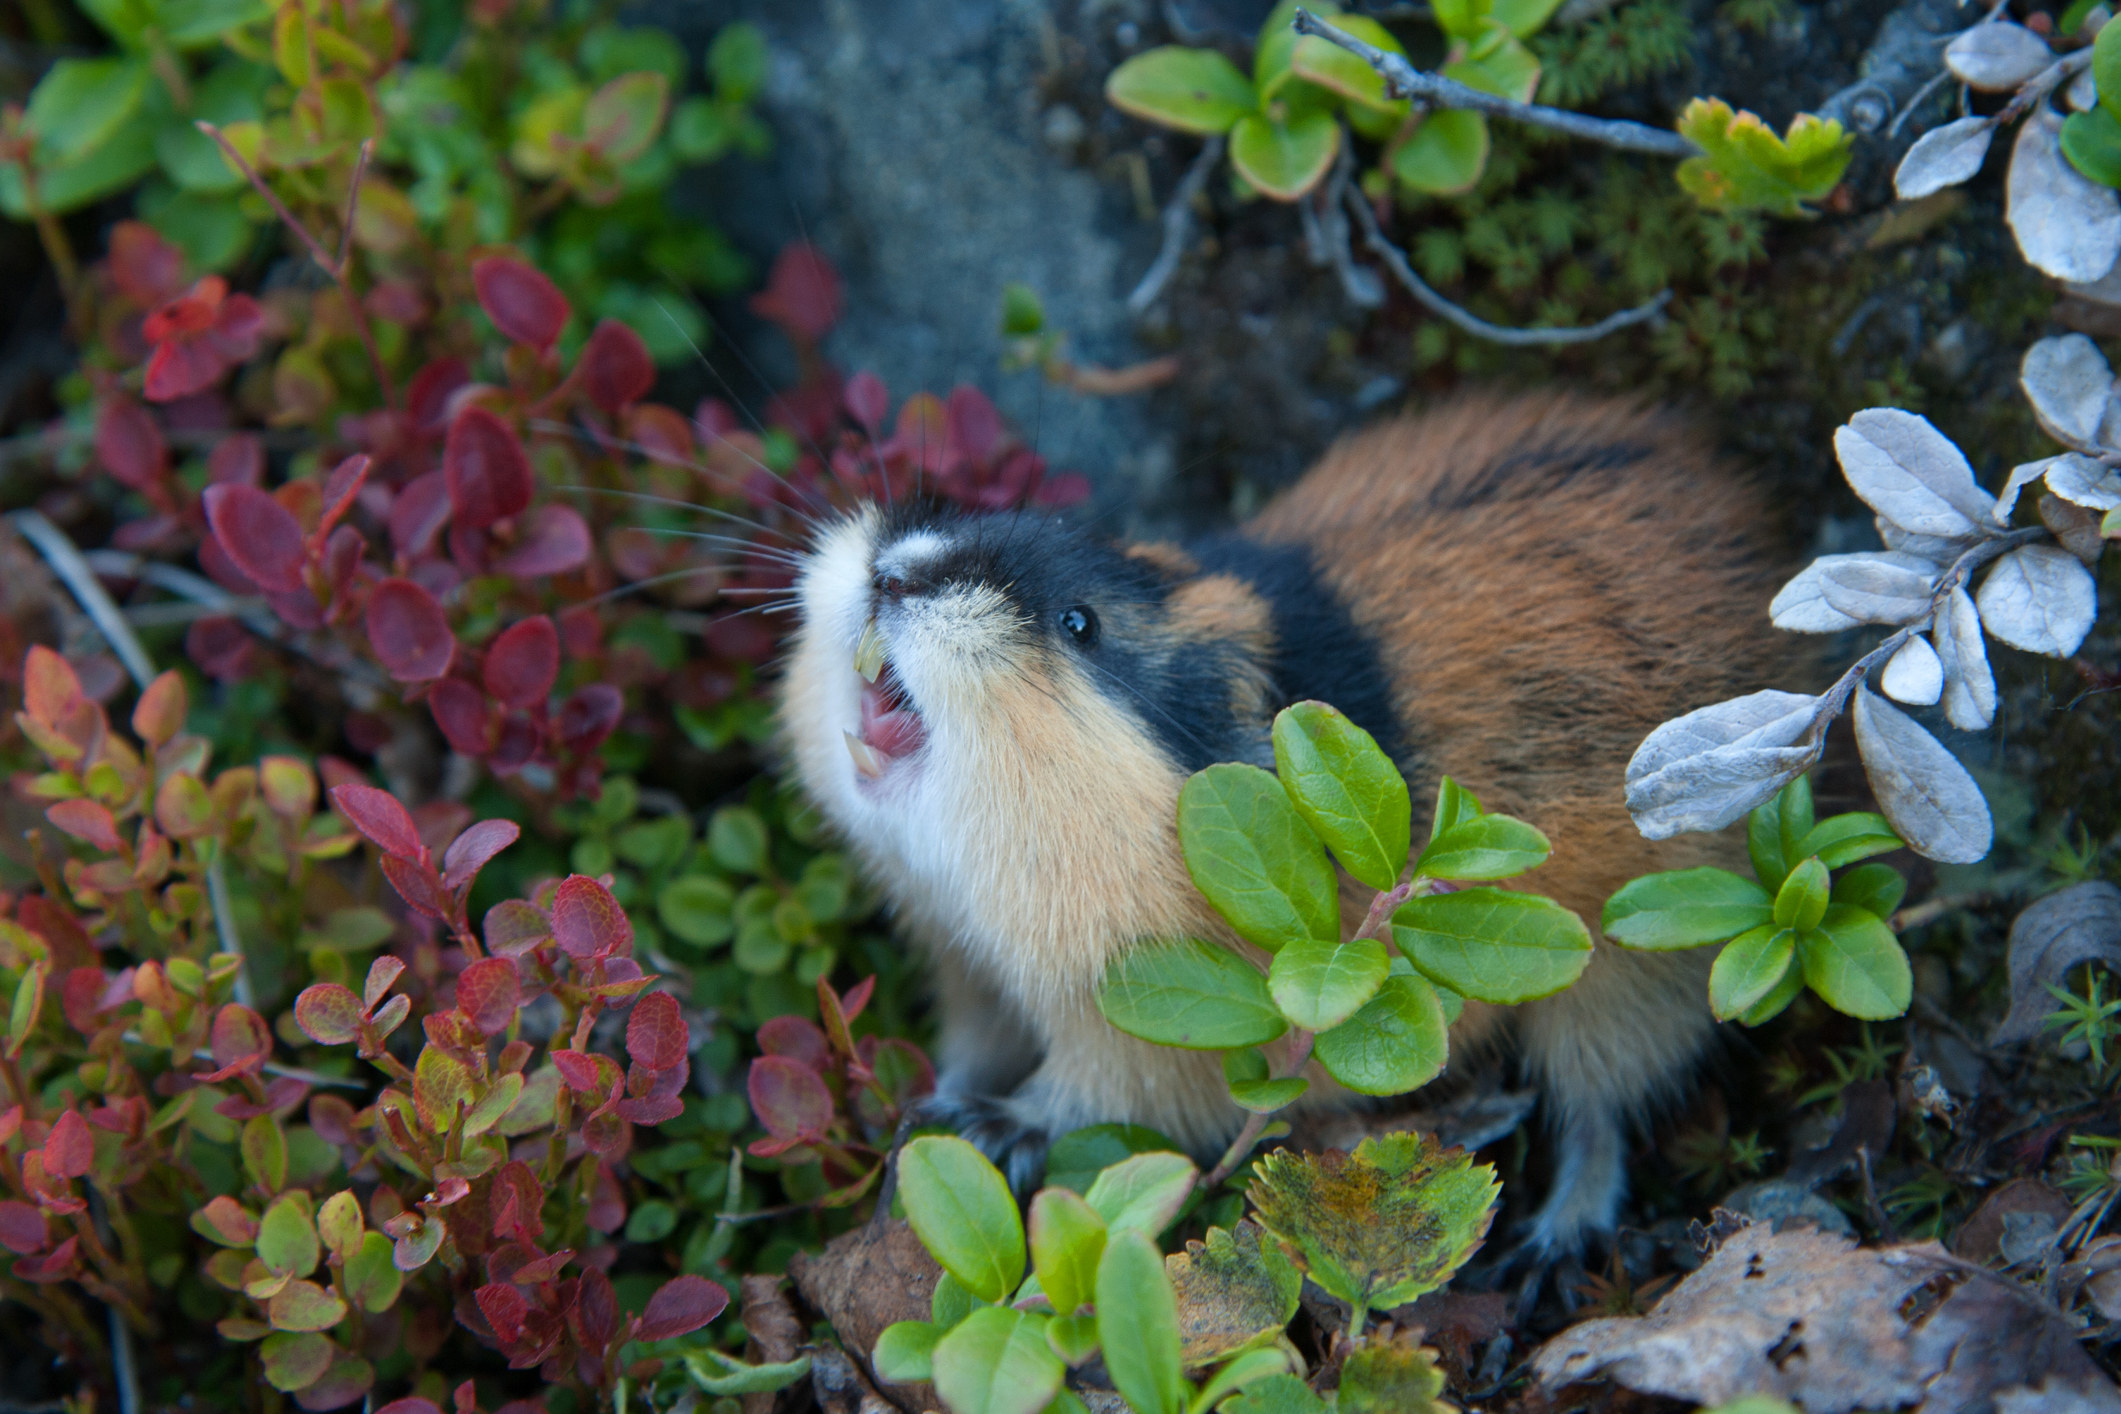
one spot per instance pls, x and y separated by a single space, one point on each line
80 580
1360 284
1403 80
353 204
1178 227
1395 260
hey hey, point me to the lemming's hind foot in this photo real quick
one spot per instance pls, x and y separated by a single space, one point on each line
991 1125
1581 1213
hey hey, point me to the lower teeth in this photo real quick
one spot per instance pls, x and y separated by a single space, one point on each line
867 761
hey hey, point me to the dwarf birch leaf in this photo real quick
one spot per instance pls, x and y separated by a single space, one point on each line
1749 967
264 1150
287 1238
905 1351
2069 384
1856 965
1137 1325
1943 157
293 1360
1909 472
439 1081
1398 1042
1887 588
961 1209
1319 985
1930 799
1490 847
1685 908
1190 994
997 1361
1914 675
1708 768
1493 945
2040 599
1284 159
1067 1239
1346 789
1381 1226
1969 686
305 1306
1255 859
1232 1289
372 1278
1446 153
1192 90
1142 1193
1996 57
2067 225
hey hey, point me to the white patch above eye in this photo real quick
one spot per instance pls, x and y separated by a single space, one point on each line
910 551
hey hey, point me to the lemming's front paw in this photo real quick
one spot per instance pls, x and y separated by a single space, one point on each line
991 1125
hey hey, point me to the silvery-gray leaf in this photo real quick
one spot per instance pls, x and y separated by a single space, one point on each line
1708 768
2075 528
2082 93
1943 157
2067 225
1887 588
1997 57
1927 795
1800 606
2040 599
2104 290
1969 686
1909 472
2079 924
2084 482
1914 675
2068 383
1937 550
2022 476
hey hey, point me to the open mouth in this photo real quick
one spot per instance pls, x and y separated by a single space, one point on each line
891 727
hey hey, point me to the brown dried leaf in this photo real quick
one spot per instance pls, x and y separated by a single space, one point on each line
2081 923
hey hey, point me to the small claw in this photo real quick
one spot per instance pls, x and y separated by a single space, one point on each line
866 760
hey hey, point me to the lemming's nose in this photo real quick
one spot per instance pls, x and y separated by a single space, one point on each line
894 587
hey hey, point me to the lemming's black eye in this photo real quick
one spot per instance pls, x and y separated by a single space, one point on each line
1080 624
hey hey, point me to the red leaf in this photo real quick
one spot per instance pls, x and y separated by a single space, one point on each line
51 692
181 367
221 647
419 885
580 1070
523 662
514 927
460 711
589 714
69 1149
258 533
146 268
596 1309
489 475
411 1404
381 973
974 424
656 1036
340 488
85 820
802 295
789 1099
607 1202
518 1202
418 512
471 851
521 302
129 444
22 1228
241 1042
683 1304
504 1308
427 395
615 366
868 401
857 997
378 816
797 1038
587 921
549 540
56 1265
238 458
409 632
328 1014
487 992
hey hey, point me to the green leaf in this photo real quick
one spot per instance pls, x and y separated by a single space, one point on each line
499 1099
193 24
1254 859
736 837
737 61
652 1221
1144 1193
1779 996
1492 944
1750 967
2092 143
340 1226
1248 1368
1254 1088
725 1375
950 1302
905 1350
1841 840
1764 839
1876 888
1067 1239
232 93
1746 167
1490 847
1801 901
1073 1338
961 1209
698 909
1137 1325
1190 994
1396 1376
2106 69
1284 159
1232 1290
1445 155
1398 1042
1498 64
80 103
1080 1155
294 1360
118 164
1319 985
997 1361
1277 1394
1856 965
1345 788
1685 908
1192 90
372 1278
1333 68
287 1238
1378 1227
264 1149
305 1306
1524 18
1455 805
1022 314
624 116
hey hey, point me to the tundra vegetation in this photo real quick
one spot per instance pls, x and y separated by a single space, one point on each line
420 992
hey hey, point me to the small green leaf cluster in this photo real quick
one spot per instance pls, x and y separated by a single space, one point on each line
1002 1339
1744 166
1373 1010
1799 925
2092 139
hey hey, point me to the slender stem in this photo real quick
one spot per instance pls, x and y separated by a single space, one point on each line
1403 80
259 185
225 923
353 204
125 1366
66 561
1298 1056
1396 261
1178 226
57 248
